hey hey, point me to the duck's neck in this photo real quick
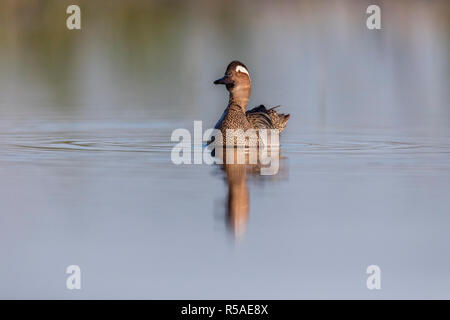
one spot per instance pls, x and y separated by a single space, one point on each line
240 96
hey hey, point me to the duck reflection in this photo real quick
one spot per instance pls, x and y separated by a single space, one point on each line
238 164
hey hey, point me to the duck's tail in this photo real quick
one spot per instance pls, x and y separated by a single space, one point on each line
279 120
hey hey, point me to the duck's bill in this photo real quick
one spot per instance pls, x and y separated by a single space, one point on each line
224 80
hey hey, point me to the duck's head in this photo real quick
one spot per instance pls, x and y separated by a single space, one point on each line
237 82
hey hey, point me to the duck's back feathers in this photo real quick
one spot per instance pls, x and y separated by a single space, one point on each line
262 118
259 118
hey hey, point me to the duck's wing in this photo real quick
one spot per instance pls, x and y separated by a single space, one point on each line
259 118
263 118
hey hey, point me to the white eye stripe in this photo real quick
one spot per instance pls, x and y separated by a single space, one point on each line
242 69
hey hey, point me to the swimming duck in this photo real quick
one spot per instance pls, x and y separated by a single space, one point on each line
238 83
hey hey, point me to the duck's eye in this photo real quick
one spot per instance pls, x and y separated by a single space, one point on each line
242 69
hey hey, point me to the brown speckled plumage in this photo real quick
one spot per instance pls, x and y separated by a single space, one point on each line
235 116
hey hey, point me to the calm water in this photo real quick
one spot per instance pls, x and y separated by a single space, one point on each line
86 176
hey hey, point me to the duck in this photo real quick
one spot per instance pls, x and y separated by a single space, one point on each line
236 116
